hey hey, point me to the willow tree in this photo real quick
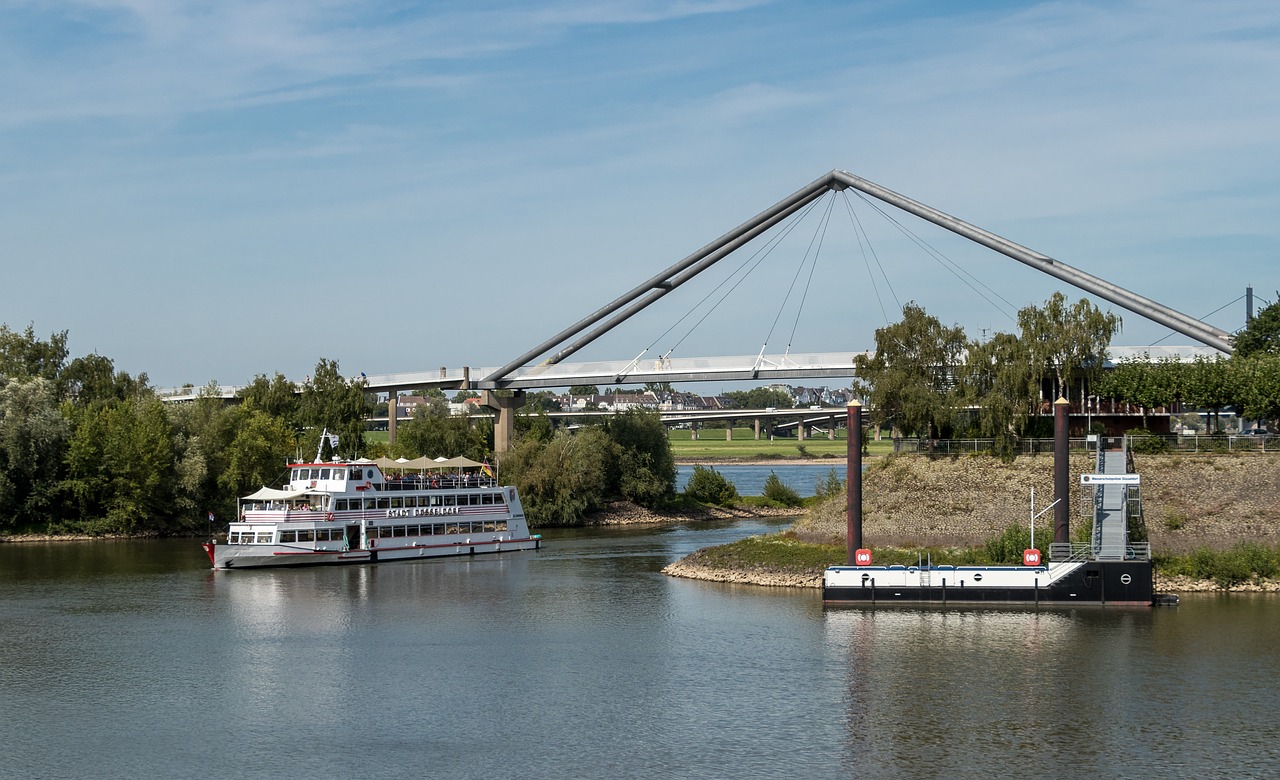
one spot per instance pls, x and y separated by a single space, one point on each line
997 380
910 379
1068 342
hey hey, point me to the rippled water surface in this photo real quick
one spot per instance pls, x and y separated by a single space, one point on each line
132 659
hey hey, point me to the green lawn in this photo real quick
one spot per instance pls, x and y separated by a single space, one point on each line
711 444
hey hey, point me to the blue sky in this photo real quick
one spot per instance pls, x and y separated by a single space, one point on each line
213 190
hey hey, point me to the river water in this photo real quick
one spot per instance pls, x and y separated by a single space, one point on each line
133 659
749 478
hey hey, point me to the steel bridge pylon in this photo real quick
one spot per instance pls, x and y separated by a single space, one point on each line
651 290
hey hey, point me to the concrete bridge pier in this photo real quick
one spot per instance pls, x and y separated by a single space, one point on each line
693 426
393 404
800 430
504 428
831 430
728 432
757 429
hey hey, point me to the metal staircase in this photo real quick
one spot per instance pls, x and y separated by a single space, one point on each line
1115 507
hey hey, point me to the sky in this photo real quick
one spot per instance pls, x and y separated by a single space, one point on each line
207 191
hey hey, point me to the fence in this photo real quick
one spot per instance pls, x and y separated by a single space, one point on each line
1267 444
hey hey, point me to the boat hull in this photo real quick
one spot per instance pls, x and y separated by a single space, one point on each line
1074 582
275 556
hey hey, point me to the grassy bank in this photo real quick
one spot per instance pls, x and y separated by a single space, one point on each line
711 445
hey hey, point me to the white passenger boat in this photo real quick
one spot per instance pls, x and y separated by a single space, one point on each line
350 512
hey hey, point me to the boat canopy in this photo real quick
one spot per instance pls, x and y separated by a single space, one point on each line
271 494
419 464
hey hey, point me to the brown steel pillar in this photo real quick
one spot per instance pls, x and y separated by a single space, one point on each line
1061 473
853 477
393 407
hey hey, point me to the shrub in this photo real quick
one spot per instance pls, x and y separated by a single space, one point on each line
1144 442
829 486
1008 546
710 487
775 490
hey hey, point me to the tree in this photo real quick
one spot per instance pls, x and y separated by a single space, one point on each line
997 379
22 355
1262 334
330 402
33 439
910 378
761 398
276 396
1069 342
435 433
1208 385
646 472
584 390
463 395
563 479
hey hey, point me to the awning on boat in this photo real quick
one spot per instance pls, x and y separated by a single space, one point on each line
271 494
458 463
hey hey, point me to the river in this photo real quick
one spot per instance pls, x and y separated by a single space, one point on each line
133 659
749 478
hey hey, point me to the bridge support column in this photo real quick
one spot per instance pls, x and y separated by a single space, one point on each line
504 427
393 409
693 426
728 432
757 429
800 429
831 430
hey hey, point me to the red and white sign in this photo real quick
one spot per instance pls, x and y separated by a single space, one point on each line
1031 557
862 557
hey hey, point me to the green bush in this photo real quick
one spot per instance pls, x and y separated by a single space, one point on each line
710 487
1144 442
1009 545
830 485
775 490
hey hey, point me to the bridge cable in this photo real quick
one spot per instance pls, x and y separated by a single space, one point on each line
1210 314
955 268
819 230
826 221
864 244
758 256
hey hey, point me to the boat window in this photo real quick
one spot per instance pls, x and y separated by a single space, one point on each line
502 525
490 527
449 500
307 536
264 537
288 536
397 503
384 503
341 504
435 500
324 473
368 474
339 474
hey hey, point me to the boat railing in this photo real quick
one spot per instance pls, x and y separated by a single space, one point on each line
1075 551
1069 551
437 483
